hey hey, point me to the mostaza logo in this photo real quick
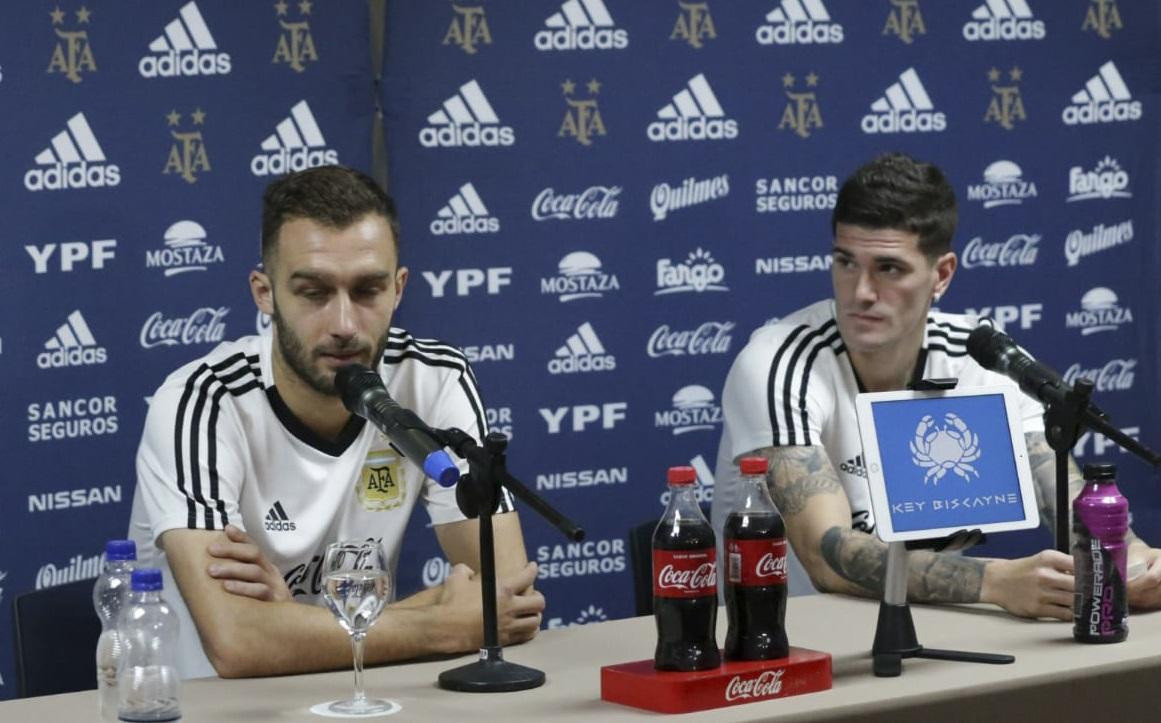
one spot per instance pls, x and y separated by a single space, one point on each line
73 55
694 24
1103 17
905 20
1006 106
469 26
295 43
187 155
582 118
801 113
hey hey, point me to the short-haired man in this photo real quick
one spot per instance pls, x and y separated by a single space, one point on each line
789 396
250 465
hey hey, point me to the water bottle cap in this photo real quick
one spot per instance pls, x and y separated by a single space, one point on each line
1100 471
682 475
753 465
146 579
120 550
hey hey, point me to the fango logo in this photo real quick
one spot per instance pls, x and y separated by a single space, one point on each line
697 273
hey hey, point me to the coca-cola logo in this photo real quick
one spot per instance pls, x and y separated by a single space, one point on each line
203 326
1019 250
771 565
1115 376
593 202
765 685
712 337
702 577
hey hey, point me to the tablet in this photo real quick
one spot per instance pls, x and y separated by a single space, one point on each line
943 461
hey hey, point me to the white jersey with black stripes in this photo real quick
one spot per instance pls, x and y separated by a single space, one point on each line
793 384
220 446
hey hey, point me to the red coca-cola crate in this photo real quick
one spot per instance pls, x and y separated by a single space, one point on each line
640 685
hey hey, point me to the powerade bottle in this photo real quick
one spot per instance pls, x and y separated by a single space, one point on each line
109 594
1100 519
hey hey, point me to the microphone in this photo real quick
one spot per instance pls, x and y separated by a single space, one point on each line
363 393
997 351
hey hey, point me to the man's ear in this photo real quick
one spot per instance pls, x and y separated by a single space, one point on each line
401 275
262 289
945 267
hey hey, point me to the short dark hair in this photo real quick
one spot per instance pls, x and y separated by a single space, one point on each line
334 196
895 191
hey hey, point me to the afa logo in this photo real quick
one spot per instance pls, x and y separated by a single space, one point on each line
187 156
469 28
1103 17
905 20
296 144
694 24
381 483
186 48
582 118
801 114
295 43
72 55
1006 106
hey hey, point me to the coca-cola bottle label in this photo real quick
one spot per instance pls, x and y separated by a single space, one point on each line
685 573
755 563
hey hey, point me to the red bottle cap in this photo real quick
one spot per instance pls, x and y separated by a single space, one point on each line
682 475
753 465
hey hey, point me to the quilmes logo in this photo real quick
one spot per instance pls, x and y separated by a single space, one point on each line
579 277
904 108
694 115
466 119
1003 185
795 193
1003 20
79 567
1079 244
185 250
74 159
582 117
694 24
203 326
72 345
1104 99
801 113
1099 311
799 22
1115 376
1103 17
581 25
699 272
185 48
1006 106
1019 250
905 20
582 352
295 145
693 410
1106 180
593 202
691 192
187 155
72 55
295 43
469 27
464 213
711 337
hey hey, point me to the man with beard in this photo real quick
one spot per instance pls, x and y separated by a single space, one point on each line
250 466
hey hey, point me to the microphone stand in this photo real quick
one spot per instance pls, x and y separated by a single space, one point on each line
478 495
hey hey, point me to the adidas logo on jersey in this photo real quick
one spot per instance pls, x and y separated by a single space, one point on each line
74 159
904 108
1104 99
1003 20
854 466
694 115
185 48
72 345
277 520
464 212
295 145
466 119
799 22
581 25
583 352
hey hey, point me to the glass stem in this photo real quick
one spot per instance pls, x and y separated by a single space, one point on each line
357 651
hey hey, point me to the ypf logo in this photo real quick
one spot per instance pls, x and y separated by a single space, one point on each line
296 144
468 28
1104 99
694 115
1003 20
72 54
1099 311
905 20
799 22
581 25
73 254
1106 180
694 24
905 107
1103 17
185 249
693 410
466 120
801 114
1003 314
491 280
1004 185
185 48
295 43
581 416
187 155
1006 106
579 276
73 345
697 273
73 160
464 213
582 117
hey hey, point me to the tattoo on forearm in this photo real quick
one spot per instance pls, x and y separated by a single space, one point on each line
798 473
1042 460
856 557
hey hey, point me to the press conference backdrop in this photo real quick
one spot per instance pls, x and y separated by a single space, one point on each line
600 200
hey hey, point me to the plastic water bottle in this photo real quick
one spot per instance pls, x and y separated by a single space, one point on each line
148 684
108 597
1100 519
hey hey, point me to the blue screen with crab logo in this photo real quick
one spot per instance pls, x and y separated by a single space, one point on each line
947 462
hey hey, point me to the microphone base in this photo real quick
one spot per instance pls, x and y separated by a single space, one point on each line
491 674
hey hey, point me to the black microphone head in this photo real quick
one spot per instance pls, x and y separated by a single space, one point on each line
988 346
352 381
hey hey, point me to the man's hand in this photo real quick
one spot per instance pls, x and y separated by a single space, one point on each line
1144 590
243 569
1040 586
518 609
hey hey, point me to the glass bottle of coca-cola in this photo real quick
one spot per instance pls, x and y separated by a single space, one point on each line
755 581
685 590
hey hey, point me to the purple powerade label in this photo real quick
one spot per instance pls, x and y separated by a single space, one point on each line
1100 521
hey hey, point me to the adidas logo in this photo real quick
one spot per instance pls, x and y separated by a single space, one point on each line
465 212
185 48
72 345
466 119
581 25
74 159
1104 99
295 145
277 519
854 466
799 22
1003 20
583 352
904 108
694 115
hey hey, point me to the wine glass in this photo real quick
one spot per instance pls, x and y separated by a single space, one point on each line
356 586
